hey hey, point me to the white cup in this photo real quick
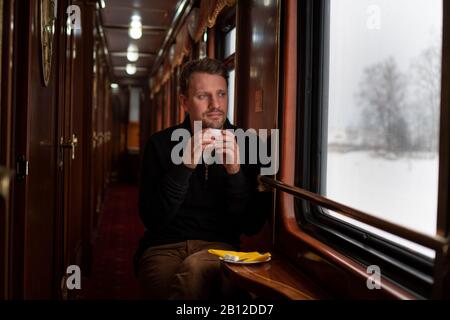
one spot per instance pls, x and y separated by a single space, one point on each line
215 132
208 152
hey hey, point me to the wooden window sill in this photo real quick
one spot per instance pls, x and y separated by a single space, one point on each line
276 279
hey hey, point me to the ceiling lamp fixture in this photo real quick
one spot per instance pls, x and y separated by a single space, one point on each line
114 86
132 53
131 69
135 30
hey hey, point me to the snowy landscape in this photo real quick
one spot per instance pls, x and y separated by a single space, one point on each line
402 191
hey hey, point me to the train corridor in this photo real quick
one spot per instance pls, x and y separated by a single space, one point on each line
114 246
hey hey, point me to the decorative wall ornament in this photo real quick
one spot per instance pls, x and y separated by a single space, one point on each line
206 8
220 5
182 46
48 13
208 13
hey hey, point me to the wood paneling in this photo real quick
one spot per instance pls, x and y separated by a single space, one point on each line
34 223
257 79
6 118
257 64
75 109
87 141
442 271
276 279
56 205
121 16
144 5
119 40
133 136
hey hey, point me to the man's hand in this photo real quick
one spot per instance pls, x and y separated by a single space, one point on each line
197 144
228 147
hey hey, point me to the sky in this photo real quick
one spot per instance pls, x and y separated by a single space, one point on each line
366 32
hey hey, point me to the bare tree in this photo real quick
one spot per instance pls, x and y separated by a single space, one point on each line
382 95
426 72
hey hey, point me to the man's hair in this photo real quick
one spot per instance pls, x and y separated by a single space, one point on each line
206 65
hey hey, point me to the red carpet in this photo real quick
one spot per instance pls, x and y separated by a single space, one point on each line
119 232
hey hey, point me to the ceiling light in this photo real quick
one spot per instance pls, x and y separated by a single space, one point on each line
135 30
103 4
114 86
136 22
133 53
135 33
131 69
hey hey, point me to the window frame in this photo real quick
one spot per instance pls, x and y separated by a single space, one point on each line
225 23
409 269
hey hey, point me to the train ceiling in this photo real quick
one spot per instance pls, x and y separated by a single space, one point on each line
122 20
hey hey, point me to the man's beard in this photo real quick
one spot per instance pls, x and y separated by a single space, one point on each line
213 124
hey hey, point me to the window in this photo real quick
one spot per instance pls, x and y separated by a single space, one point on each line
231 85
369 113
230 42
225 50
383 109
229 52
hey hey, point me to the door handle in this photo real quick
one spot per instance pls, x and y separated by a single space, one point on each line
71 144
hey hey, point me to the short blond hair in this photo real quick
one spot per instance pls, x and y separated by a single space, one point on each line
206 65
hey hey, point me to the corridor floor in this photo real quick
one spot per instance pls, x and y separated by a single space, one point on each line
119 232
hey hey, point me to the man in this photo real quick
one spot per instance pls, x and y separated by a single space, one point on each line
192 207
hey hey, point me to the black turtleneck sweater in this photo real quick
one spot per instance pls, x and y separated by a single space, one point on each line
178 204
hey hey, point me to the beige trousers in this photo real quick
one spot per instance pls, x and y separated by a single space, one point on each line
184 271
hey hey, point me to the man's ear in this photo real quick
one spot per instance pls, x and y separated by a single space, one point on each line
183 102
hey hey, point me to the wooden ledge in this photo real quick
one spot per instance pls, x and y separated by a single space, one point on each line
276 279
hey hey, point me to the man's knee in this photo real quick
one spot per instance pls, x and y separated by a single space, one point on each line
201 263
198 277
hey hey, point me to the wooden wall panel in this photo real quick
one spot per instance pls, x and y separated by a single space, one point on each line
6 112
75 196
87 141
56 206
133 136
257 64
35 211
257 80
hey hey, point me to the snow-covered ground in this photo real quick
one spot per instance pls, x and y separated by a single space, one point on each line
403 191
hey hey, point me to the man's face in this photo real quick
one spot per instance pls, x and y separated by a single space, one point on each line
207 99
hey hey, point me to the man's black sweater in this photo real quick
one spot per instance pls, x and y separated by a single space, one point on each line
178 204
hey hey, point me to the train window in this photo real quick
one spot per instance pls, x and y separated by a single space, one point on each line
230 42
226 51
231 84
369 102
229 50
384 89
